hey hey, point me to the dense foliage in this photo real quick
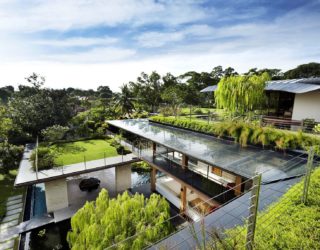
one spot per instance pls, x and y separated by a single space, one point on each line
10 156
107 221
45 158
54 133
245 133
240 94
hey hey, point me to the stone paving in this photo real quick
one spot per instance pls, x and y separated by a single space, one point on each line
14 209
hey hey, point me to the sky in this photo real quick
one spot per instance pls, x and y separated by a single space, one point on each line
88 43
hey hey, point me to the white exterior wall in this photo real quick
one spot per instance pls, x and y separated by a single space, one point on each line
306 105
56 195
123 178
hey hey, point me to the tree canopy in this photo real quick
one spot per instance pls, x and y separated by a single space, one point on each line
105 222
240 94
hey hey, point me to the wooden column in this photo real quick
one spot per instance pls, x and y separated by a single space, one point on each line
154 148
153 179
237 190
183 198
184 161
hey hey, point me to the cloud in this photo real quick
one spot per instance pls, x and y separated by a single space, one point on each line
40 15
78 41
95 55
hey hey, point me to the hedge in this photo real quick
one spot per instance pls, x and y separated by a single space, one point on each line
246 133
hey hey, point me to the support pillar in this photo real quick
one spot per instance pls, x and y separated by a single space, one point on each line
237 189
56 195
153 179
122 178
154 148
183 198
184 161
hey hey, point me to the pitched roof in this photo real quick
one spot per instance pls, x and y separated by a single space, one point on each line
297 86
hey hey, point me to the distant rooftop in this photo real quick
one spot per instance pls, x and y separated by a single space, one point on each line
218 152
297 86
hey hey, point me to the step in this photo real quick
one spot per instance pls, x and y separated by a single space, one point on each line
15 206
14 211
7 245
5 226
10 203
16 197
11 217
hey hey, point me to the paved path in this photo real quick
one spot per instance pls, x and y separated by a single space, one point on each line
8 235
27 176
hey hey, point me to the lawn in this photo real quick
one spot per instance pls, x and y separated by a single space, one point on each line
7 189
74 152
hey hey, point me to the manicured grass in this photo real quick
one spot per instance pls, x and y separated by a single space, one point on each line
74 152
7 189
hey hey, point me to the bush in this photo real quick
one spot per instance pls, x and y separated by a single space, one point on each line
317 129
45 158
141 166
54 133
246 133
100 224
10 156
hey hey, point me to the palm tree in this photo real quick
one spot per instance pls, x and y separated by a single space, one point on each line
124 100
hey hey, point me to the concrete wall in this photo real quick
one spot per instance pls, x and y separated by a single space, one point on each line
307 106
56 195
123 178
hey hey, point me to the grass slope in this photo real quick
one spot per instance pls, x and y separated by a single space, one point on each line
288 224
74 152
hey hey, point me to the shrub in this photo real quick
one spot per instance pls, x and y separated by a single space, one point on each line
54 133
246 133
100 224
141 166
317 129
45 158
10 156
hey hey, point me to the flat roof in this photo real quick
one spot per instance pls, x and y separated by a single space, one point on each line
27 176
225 154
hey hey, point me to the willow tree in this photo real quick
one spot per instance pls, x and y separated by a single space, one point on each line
105 222
240 94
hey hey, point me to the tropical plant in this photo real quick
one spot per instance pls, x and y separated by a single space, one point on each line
124 100
54 133
10 156
240 94
45 158
317 128
128 222
246 133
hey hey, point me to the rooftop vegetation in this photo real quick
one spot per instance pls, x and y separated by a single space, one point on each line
288 224
246 133
64 153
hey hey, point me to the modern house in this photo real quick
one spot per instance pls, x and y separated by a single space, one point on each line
200 169
295 99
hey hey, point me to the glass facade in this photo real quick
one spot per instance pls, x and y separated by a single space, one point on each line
224 154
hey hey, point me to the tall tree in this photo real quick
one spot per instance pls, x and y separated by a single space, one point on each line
104 92
124 101
173 95
304 71
240 94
